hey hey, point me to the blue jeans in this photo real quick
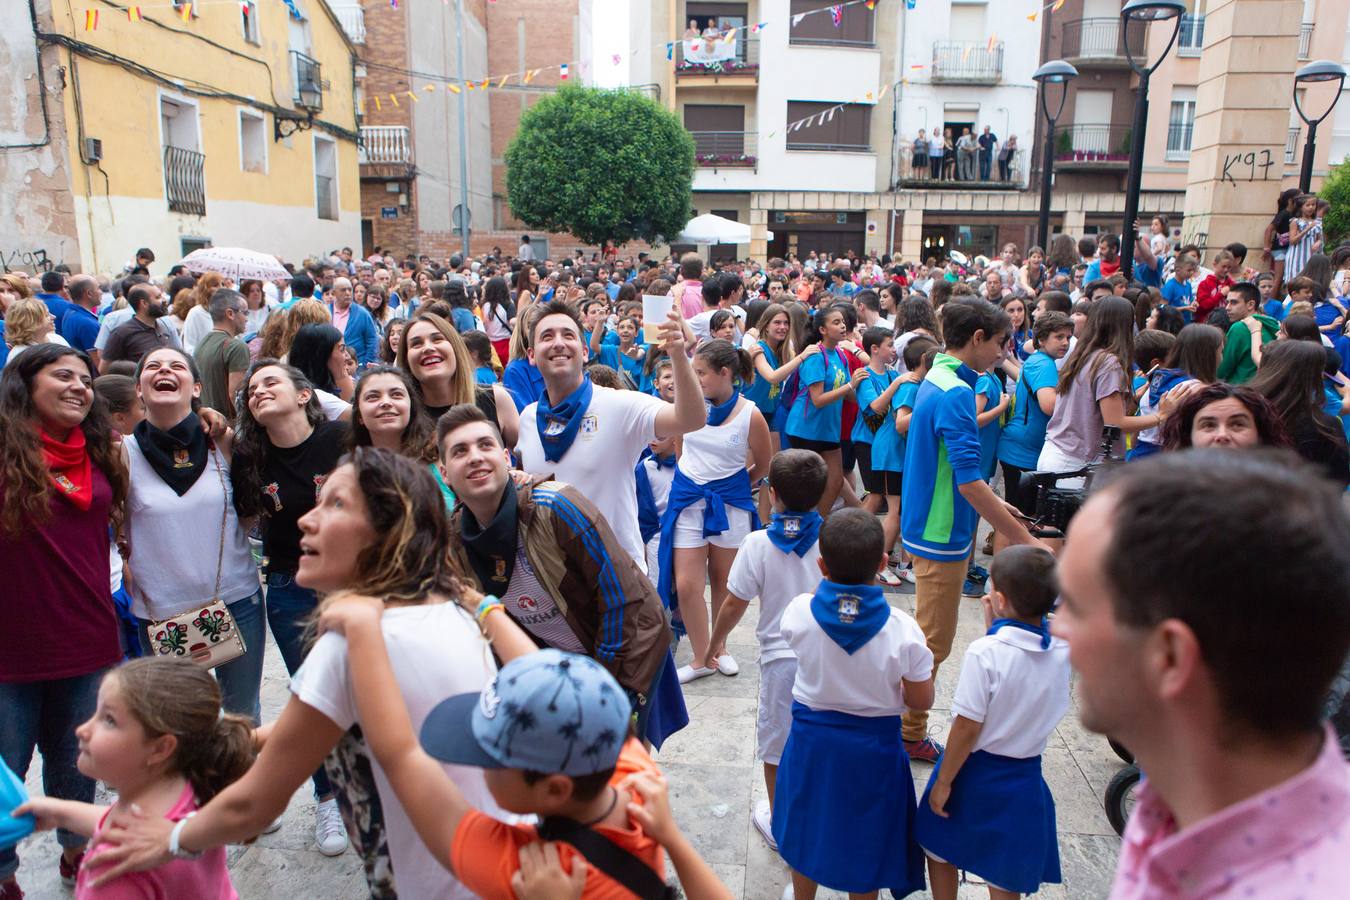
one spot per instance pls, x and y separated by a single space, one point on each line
45 714
239 679
289 609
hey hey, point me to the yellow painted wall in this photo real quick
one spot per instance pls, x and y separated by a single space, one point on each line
121 108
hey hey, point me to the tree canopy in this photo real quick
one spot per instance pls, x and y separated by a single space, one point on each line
604 165
1336 191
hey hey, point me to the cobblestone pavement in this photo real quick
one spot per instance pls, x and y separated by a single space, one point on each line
715 782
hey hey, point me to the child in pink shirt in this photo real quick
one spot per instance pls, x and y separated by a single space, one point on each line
156 738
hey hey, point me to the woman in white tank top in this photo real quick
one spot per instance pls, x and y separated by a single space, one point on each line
187 547
710 509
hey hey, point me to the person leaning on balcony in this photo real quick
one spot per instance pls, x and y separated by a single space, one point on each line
918 161
1006 154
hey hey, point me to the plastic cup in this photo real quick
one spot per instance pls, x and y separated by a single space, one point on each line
655 311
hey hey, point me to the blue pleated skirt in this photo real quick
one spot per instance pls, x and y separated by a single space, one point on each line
843 812
1000 825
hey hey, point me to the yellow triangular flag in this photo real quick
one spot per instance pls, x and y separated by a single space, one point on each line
1057 5
729 36
965 54
393 100
414 97
377 104
186 12
1032 17
454 88
502 83
993 38
428 87
884 89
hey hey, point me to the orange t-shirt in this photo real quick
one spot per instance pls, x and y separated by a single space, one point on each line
486 853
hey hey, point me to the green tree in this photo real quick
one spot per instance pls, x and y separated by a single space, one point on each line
604 165
1336 191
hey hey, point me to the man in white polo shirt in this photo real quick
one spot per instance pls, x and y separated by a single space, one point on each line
591 437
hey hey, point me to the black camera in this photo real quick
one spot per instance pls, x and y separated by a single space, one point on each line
1056 506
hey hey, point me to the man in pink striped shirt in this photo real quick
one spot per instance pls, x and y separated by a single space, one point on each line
1206 602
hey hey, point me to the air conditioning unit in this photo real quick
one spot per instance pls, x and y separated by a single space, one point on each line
93 150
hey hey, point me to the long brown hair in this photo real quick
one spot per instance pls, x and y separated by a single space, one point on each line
408 558
462 382
1109 329
169 695
24 476
785 350
419 436
1290 377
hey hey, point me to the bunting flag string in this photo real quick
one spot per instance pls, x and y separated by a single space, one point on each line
134 14
91 20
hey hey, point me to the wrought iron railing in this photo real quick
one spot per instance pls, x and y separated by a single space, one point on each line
1179 140
1191 35
920 175
308 81
1291 146
1100 38
385 144
353 21
1101 144
185 181
717 149
969 62
715 56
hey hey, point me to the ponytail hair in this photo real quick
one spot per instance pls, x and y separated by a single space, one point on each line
173 695
722 354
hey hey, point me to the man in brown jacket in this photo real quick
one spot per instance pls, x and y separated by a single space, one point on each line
552 559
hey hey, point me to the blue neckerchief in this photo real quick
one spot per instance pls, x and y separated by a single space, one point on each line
1042 629
733 491
558 425
717 414
649 519
795 532
850 614
665 462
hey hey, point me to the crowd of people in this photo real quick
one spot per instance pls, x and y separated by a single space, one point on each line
480 502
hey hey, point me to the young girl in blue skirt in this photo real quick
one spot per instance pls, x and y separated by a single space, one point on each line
987 809
843 812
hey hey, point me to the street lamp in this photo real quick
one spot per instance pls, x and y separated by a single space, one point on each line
1312 73
1057 71
1142 12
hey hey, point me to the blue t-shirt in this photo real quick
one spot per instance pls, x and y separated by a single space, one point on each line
826 368
632 366
888 451
1022 438
1275 309
869 390
1179 293
762 392
79 328
1149 276
992 389
1325 313
485 375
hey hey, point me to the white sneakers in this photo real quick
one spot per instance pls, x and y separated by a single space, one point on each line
763 819
330 835
888 577
725 664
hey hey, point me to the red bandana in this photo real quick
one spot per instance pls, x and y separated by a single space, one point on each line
70 467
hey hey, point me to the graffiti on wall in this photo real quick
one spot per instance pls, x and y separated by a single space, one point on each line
33 261
1254 165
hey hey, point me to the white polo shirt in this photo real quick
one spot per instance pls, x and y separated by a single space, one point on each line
616 428
1016 689
867 683
762 570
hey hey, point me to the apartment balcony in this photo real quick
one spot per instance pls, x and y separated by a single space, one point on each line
1179 141
1191 35
705 62
184 183
1092 148
385 152
1305 40
307 76
921 177
725 149
967 62
1291 146
1094 43
353 21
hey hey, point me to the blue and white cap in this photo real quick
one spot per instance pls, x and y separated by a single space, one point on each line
548 711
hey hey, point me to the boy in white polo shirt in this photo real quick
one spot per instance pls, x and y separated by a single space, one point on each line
987 808
844 815
776 565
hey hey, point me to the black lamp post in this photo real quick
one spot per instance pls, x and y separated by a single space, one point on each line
1142 12
1312 73
1057 71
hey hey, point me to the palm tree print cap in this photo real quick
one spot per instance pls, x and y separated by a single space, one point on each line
549 711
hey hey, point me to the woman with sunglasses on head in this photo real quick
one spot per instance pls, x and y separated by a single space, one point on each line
284 450
62 486
378 529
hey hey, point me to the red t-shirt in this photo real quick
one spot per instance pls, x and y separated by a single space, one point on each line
850 413
56 610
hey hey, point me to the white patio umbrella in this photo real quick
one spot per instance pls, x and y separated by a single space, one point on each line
236 263
711 229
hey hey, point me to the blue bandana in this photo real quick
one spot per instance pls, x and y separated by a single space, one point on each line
850 614
1042 629
558 425
718 414
794 532
665 462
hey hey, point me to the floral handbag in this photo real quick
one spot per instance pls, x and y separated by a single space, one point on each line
206 634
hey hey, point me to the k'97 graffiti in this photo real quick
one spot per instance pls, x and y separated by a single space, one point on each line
25 260
1254 165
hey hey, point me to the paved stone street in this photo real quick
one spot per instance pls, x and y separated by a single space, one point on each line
715 781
